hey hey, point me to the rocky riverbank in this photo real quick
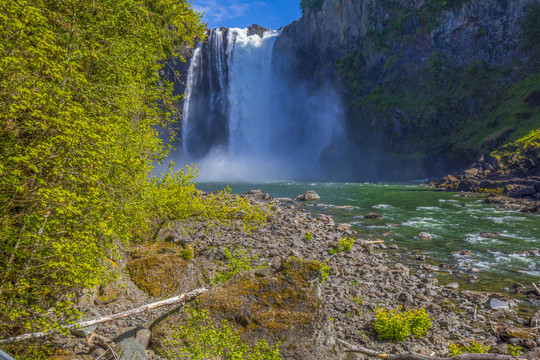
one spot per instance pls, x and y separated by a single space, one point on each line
301 290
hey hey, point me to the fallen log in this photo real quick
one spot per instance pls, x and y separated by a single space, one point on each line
184 297
413 356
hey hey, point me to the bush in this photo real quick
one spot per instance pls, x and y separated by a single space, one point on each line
474 347
201 339
344 245
237 260
397 325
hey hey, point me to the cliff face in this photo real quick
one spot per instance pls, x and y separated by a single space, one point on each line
429 85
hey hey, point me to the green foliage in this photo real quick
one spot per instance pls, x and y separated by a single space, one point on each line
201 339
358 300
325 271
237 261
531 26
474 347
397 325
187 253
344 245
308 236
514 350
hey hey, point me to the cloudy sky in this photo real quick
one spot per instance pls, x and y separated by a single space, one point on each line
271 14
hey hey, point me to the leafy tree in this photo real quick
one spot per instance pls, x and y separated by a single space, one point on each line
80 97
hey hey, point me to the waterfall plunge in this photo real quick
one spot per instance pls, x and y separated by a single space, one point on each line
245 121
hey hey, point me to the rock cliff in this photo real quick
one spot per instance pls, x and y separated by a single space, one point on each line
426 82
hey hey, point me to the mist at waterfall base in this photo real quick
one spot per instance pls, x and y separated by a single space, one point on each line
247 117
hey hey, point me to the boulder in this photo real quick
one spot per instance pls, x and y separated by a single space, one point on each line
164 273
280 305
424 236
534 321
496 304
129 349
4 356
517 191
309 195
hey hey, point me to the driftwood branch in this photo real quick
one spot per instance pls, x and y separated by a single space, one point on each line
413 356
181 298
373 242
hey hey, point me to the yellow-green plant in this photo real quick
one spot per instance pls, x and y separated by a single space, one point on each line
325 271
397 324
514 350
308 236
237 260
344 245
200 339
474 347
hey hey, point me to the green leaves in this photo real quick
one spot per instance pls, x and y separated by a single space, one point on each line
80 94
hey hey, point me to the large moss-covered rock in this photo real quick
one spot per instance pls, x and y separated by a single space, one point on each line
159 270
280 305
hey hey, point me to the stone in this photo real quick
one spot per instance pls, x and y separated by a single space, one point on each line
143 337
424 236
534 321
496 304
489 235
4 356
453 285
373 216
129 349
309 195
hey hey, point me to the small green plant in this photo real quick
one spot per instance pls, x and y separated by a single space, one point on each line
201 339
514 350
344 245
237 260
474 348
187 253
308 237
397 325
358 300
325 271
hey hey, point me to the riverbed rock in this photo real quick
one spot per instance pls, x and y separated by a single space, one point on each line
309 195
129 349
496 304
424 236
534 321
373 216
490 235
284 306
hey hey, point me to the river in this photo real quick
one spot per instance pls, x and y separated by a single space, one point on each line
455 222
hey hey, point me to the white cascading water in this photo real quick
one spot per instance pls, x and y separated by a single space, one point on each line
244 122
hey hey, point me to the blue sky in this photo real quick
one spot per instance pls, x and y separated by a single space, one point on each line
271 14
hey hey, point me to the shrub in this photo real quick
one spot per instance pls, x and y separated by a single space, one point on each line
308 236
201 339
344 245
237 261
474 347
397 325
514 350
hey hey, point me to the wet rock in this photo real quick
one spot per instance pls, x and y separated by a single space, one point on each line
309 195
465 252
424 236
496 304
373 216
489 235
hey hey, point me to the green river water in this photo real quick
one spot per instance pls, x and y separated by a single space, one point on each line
455 222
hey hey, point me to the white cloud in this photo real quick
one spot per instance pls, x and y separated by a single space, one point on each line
217 11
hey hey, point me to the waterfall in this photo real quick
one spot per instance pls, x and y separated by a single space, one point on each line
245 120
